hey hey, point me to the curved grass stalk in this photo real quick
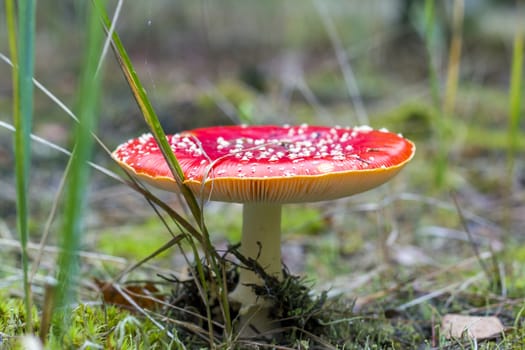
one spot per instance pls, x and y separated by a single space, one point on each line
141 98
79 172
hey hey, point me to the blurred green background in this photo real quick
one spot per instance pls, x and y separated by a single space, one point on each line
318 62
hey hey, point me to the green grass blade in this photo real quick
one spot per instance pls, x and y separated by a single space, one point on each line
445 104
11 29
513 130
76 189
139 93
516 93
439 122
22 54
454 59
430 43
449 98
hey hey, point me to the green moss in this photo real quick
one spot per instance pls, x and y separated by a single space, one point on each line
225 225
518 253
489 138
12 320
302 219
135 241
327 86
515 277
483 103
97 327
413 120
236 93
324 259
296 219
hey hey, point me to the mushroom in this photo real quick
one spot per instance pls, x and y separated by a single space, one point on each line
264 167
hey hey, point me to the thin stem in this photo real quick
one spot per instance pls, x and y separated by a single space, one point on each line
261 239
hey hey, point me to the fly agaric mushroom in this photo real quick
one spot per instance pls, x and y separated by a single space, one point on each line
264 167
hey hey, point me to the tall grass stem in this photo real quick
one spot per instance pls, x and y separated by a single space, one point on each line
430 44
449 99
77 181
454 59
515 114
22 50
148 112
515 96
430 29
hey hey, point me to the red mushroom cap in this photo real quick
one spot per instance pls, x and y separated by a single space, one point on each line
281 164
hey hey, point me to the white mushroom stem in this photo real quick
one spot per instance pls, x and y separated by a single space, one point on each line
261 241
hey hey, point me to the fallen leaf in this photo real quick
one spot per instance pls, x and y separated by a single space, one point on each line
477 327
144 295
